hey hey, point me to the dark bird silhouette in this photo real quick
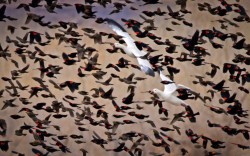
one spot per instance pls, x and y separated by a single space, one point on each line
107 94
213 72
62 147
9 103
67 60
129 98
71 85
3 16
219 86
241 146
4 145
129 79
238 121
106 83
190 44
3 126
226 98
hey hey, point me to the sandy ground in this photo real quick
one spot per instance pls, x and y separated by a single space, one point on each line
200 20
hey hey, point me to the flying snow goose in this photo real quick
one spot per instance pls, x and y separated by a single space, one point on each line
131 48
169 94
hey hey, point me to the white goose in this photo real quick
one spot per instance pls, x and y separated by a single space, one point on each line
169 94
131 48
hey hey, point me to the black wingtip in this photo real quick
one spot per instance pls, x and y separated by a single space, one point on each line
151 73
148 71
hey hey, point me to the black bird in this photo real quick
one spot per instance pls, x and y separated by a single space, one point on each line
86 10
71 85
3 16
107 82
118 149
172 13
4 145
183 4
3 126
19 154
226 98
117 108
62 147
219 86
129 98
139 33
37 152
241 146
148 13
213 72
34 36
151 2
67 60
9 103
113 66
107 94
190 44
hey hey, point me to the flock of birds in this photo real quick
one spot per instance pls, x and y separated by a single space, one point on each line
32 102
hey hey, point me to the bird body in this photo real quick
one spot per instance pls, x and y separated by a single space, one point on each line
170 98
168 94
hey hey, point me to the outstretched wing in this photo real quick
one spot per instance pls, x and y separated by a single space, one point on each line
126 37
195 38
144 64
169 9
180 86
170 87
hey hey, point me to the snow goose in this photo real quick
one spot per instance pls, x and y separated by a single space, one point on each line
170 94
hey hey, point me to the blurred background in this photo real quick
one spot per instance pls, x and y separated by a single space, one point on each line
200 20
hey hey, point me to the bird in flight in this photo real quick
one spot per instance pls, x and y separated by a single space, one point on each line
170 91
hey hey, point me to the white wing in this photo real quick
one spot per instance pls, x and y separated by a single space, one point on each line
126 37
168 88
180 86
144 64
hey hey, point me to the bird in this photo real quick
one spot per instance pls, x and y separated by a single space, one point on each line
183 4
3 16
9 103
168 94
3 126
107 82
131 48
150 21
97 37
4 145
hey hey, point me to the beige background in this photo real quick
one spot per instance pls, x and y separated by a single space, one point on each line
200 20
